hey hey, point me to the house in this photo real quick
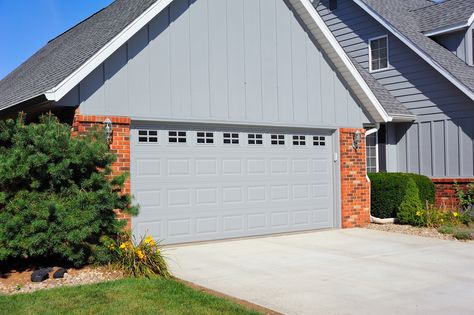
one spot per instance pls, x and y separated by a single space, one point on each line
419 55
242 117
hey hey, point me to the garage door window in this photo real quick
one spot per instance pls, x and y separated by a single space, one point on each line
177 136
231 138
148 136
255 138
299 140
319 141
205 137
278 139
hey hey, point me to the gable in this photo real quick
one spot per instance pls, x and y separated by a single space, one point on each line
237 61
411 80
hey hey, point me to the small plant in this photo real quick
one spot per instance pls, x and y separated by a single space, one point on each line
446 229
138 259
462 234
466 198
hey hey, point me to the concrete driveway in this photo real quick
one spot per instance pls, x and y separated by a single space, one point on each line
353 271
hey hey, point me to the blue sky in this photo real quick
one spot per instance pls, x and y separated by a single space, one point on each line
27 25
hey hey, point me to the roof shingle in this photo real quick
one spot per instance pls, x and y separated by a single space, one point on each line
64 54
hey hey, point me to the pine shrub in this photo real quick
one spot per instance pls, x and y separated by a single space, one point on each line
57 194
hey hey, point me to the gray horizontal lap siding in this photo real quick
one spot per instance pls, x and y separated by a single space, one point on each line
241 61
440 142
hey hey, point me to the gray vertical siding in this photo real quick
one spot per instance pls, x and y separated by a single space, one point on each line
221 60
457 43
440 142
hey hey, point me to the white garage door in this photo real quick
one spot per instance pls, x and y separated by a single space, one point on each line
195 184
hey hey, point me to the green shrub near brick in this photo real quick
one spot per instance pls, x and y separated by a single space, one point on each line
391 192
426 188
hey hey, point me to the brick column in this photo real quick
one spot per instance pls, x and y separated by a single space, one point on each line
445 195
120 145
355 187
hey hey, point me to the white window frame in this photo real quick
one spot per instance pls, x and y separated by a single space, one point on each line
376 135
370 54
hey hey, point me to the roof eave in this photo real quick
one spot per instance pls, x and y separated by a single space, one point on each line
340 59
403 117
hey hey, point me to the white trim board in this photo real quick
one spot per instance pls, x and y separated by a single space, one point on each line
370 54
415 48
450 28
59 91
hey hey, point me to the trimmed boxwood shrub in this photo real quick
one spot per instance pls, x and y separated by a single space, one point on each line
386 195
390 190
426 187
57 193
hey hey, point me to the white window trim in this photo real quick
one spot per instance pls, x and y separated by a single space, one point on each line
370 54
376 134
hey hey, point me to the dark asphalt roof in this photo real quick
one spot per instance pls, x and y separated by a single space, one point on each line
401 15
443 14
66 53
391 105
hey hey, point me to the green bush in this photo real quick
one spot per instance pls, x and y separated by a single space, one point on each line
388 191
386 194
57 195
410 209
426 187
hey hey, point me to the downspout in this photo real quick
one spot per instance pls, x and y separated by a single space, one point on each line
372 218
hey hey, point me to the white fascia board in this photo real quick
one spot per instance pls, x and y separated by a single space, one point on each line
415 48
450 28
446 29
345 59
403 118
59 91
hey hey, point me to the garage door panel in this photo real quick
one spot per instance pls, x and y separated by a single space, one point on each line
194 192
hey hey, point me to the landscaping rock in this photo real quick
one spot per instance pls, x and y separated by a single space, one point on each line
20 281
59 274
40 275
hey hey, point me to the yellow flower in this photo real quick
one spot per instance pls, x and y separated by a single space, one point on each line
455 214
140 254
123 245
418 213
149 240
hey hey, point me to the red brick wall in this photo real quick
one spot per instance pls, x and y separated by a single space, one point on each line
445 196
355 187
120 145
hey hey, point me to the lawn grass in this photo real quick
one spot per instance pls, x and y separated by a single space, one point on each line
127 296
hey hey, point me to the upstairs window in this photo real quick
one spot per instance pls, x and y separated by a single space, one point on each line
378 53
